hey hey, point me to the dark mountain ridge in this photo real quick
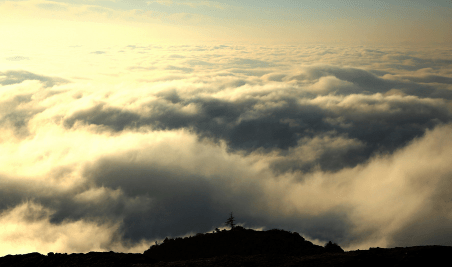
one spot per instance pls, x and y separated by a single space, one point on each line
237 241
241 247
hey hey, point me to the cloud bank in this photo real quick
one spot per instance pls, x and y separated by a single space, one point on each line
351 145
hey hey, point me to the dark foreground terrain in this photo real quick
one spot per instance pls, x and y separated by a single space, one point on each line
242 247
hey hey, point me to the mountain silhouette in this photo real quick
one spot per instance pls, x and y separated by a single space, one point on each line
241 247
237 241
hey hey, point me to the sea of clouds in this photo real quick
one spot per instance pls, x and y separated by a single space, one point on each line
116 148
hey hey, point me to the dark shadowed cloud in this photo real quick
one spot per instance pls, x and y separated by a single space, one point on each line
263 120
350 145
18 76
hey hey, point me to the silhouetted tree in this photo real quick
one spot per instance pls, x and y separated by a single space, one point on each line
230 222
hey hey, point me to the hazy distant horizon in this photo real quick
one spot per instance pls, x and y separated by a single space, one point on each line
124 122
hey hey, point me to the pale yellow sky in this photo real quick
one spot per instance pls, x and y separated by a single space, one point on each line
120 22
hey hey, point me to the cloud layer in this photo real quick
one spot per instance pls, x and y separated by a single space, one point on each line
344 144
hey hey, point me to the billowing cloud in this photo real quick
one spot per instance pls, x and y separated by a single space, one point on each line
286 137
17 58
18 76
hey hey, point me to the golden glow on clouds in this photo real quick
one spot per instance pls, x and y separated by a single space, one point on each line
26 228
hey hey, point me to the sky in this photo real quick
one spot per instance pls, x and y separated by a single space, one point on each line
125 122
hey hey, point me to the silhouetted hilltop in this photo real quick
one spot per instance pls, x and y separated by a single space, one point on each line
238 241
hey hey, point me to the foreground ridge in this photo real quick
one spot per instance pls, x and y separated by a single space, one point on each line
409 256
241 247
